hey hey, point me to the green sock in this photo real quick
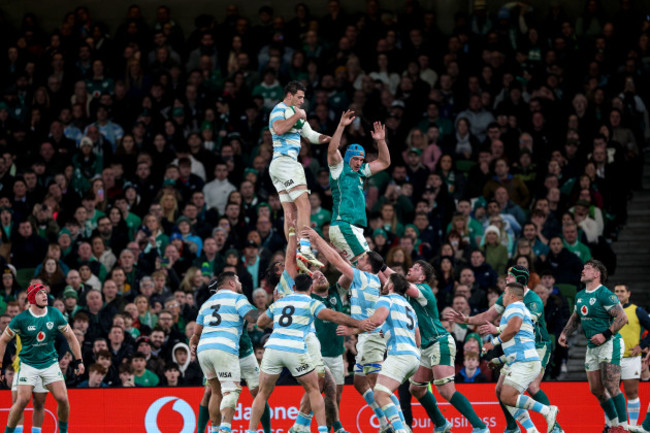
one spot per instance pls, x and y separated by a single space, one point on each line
337 426
10 429
204 417
610 409
511 424
63 427
462 405
266 419
428 402
541 397
621 407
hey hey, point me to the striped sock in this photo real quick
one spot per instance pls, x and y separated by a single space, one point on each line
527 403
36 429
305 244
322 429
522 416
393 416
634 410
214 429
18 429
395 401
225 426
303 422
369 397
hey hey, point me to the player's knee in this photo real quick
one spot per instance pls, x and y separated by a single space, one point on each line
300 197
418 389
229 400
21 402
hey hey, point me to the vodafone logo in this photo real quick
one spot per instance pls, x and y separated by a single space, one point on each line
41 336
584 310
180 406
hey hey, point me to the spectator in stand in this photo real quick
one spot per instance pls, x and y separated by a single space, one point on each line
564 265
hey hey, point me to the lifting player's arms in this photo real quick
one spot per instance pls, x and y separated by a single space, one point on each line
347 175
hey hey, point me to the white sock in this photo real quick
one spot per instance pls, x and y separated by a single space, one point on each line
634 410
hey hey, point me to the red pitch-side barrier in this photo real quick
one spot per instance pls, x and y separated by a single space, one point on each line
174 410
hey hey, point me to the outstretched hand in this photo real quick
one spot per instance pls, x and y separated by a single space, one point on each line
347 118
455 316
308 233
379 132
487 329
323 139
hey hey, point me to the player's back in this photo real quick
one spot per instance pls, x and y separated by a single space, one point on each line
399 327
426 310
222 318
292 317
365 291
520 348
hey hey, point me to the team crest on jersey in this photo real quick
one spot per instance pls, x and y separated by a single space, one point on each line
613 298
49 325
592 301
41 336
584 310
333 301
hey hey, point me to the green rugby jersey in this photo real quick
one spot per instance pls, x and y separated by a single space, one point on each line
593 310
331 345
347 193
426 309
536 307
245 343
37 335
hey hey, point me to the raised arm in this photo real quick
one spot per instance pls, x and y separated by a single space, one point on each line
333 154
383 160
569 329
412 291
330 253
290 253
282 126
478 319
313 136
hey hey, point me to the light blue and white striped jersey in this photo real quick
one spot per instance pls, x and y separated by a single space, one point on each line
521 348
288 143
399 327
222 318
285 288
286 285
292 317
365 290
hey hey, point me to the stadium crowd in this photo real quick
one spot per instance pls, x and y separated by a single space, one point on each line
135 160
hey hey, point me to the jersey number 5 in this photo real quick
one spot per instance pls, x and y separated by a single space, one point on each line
411 324
286 318
217 317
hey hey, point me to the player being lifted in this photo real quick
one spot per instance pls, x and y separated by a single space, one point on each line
438 353
292 317
517 335
518 274
288 122
215 342
602 316
347 177
37 327
365 288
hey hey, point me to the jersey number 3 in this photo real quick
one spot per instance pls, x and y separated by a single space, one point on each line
217 317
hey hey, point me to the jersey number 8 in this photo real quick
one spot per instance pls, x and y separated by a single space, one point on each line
286 318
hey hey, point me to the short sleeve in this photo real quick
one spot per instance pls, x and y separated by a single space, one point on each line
365 171
243 306
336 169
536 310
316 307
498 305
513 312
13 328
61 323
278 113
608 300
269 311
356 279
383 302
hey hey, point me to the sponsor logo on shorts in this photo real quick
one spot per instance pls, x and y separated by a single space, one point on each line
288 183
23 379
225 375
49 325
302 368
